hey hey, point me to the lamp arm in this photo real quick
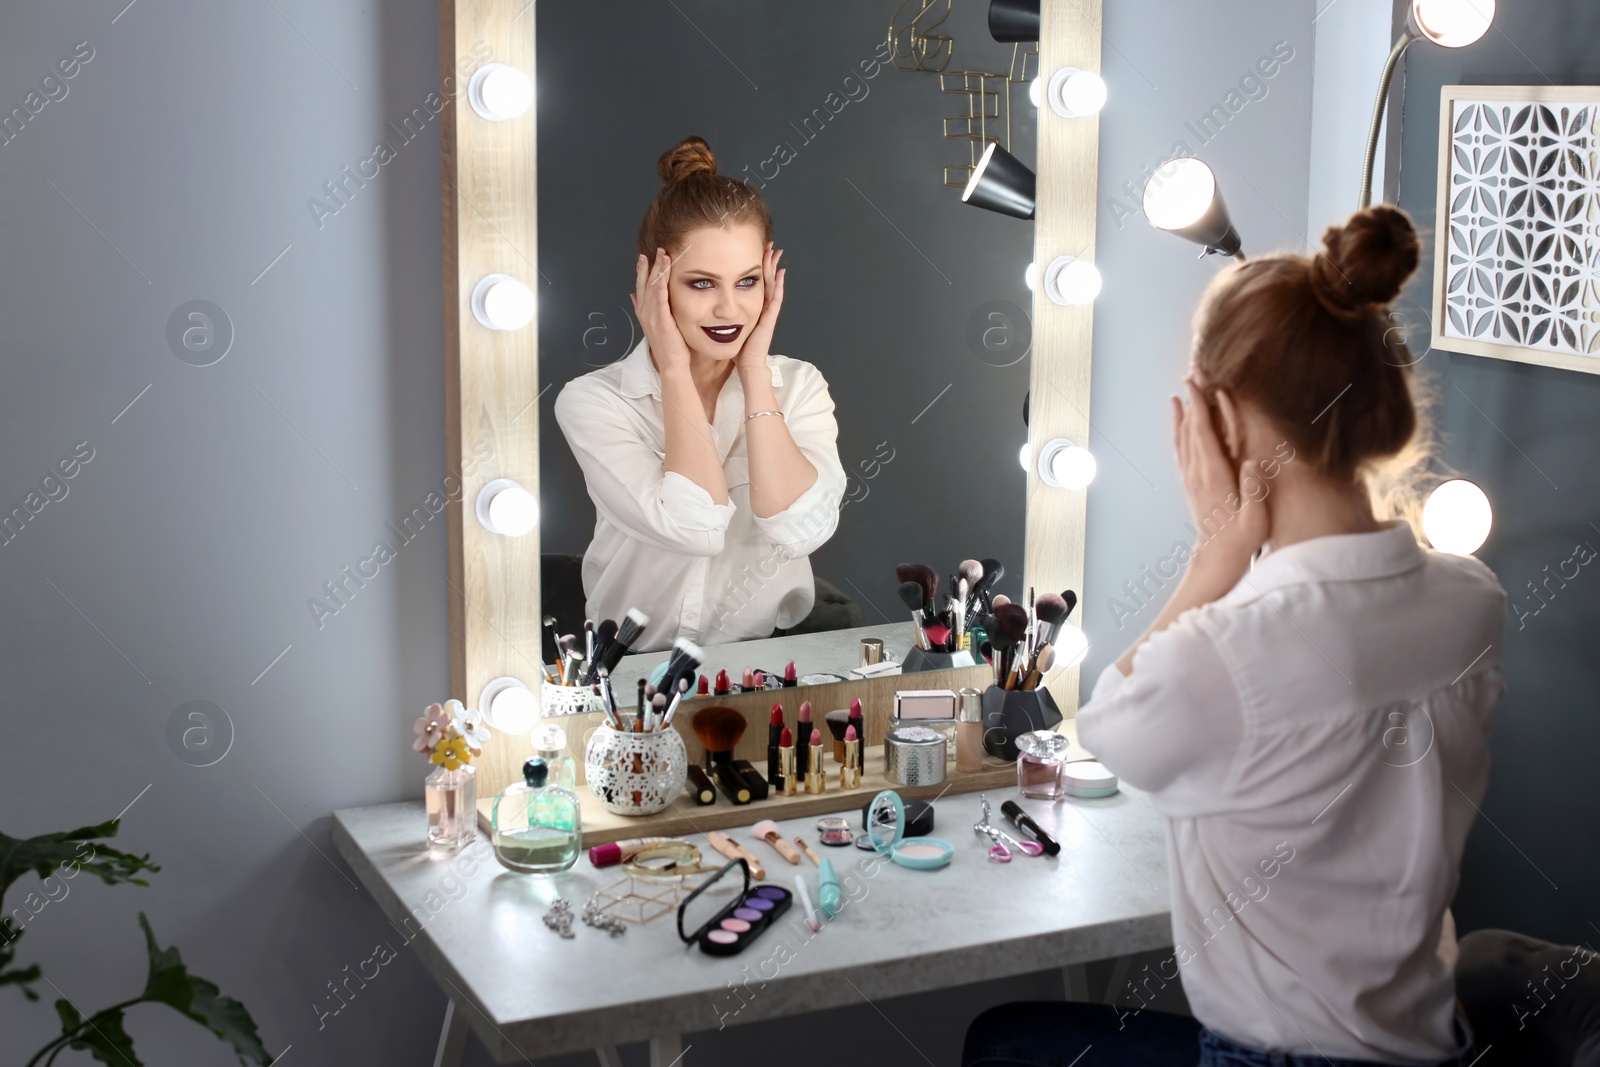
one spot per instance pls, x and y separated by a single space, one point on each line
1404 41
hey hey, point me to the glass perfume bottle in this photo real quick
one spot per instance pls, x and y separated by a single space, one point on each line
452 800
535 824
550 745
1041 755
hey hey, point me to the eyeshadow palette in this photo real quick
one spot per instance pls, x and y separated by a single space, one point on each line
736 925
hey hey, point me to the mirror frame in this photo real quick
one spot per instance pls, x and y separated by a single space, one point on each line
490 217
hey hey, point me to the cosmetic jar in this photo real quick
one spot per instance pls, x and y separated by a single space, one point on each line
835 830
1041 756
934 709
1087 778
914 755
871 651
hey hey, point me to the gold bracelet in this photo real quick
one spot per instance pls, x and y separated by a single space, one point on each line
684 856
758 414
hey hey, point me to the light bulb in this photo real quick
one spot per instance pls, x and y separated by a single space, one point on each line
1024 456
1035 91
1452 23
1065 465
1030 277
510 705
1076 93
1179 194
1071 281
506 508
1071 646
498 92
1457 517
500 302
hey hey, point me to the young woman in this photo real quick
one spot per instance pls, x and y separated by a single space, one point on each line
1314 723
712 463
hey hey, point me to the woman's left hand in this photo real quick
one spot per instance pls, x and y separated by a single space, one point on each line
1233 520
753 356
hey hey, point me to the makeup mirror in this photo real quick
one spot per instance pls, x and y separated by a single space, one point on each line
899 354
861 125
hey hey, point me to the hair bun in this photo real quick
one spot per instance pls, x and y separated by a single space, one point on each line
1365 261
689 156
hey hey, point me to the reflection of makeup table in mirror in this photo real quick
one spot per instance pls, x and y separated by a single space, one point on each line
527 993
828 651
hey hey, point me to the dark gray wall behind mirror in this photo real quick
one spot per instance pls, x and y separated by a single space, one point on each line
888 270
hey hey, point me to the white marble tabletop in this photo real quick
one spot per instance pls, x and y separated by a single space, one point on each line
527 992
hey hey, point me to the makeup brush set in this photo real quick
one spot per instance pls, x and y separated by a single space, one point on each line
791 768
971 596
1020 643
655 708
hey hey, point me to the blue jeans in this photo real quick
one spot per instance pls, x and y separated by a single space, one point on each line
1062 1034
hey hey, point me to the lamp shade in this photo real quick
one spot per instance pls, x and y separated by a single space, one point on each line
1014 20
1182 197
1001 183
1451 23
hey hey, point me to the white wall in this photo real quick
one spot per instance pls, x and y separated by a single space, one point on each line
1353 38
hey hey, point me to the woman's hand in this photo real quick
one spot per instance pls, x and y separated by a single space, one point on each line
667 345
1223 493
753 356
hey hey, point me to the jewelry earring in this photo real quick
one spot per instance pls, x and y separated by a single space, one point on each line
559 917
593 916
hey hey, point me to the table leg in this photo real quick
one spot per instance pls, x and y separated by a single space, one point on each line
452 1038
1075 977
608 1056
665 1051
1119 977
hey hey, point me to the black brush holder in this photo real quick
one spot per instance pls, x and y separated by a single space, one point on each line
1009 713
920 659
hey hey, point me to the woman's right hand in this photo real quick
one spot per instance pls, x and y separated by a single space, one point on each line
650 304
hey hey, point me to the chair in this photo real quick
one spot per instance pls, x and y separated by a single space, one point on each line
1533 1003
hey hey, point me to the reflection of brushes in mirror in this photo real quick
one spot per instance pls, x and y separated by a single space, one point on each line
686 658
633 625
605 633
566 644
1051 610
588 640
911 597
1000 601
1042 662
576 659
993 571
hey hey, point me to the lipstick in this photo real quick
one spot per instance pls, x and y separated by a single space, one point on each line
700 786
850 773
858 719
789 678
704 687
761 679
786 762
774 739
748 681
724 686
816 776
803 751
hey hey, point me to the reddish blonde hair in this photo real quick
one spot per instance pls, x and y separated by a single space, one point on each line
693 195
1309 340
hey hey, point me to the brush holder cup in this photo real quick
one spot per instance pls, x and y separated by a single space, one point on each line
569 700
635 774
919 659
1009 713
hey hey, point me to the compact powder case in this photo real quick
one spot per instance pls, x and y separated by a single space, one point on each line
918 817
1087 778
886 828
835 830
914 755
731 930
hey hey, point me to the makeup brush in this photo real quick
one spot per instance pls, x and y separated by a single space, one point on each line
924 576
961 609
1051 611
1011 621
768 831
604 635
685 660
993 571
588 640
719 728
1071 598
1042 663
657 712
672 706
911 597
1000 599
555 641
838 722
644 697
566 644
633 625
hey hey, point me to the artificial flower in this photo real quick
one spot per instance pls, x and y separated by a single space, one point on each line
451 753
469 726
430 728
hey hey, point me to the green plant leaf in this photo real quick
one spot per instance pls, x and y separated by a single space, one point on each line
21 977
44 854
105 1039
169 982
70 1019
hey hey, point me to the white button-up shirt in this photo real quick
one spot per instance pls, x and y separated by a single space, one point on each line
710 572
1318 742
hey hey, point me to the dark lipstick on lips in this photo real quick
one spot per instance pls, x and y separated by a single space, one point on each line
723 335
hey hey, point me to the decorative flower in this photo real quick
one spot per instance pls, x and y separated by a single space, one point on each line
430 728
452 753
468 725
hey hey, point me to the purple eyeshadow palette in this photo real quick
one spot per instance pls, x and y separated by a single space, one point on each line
735 926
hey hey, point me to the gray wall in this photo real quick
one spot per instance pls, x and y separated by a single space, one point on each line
884 278
1527 435
181 561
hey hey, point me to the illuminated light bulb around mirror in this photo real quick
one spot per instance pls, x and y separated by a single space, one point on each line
1064 465
510 706
1076 94
498 92
506 508
1030 277
1071 645
1036 91
1069 281
500 302
1457 517
1025 456
1452 23
1179 194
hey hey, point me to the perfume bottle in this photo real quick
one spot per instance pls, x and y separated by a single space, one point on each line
452 802
1042 754
536 825
550 745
